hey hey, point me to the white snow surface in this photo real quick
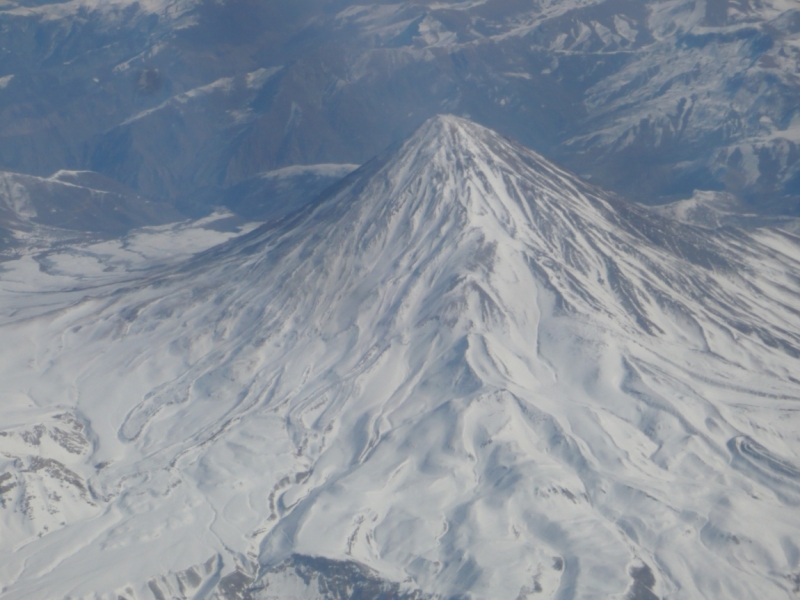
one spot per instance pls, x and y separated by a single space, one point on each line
467 370
323 170
54 264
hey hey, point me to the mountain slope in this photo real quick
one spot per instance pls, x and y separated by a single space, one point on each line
463 369
77 201
41 214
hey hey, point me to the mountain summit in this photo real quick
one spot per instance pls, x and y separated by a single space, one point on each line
462 372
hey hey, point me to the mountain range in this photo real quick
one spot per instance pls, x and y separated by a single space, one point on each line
653 99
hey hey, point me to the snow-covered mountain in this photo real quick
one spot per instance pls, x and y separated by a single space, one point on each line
462 372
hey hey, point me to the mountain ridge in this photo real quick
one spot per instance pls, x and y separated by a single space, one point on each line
631 93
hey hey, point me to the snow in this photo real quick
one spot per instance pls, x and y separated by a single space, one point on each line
14 197
467 370
322 170
258 78
111 9
51 263
225 86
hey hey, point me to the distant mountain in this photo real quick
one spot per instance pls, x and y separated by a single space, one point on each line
715 210
462 372
654 99
71 203
278 193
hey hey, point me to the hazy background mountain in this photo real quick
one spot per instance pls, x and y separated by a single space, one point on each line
651 98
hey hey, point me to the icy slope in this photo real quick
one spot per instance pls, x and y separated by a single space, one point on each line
464 369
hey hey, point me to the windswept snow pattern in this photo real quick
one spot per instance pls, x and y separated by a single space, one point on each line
463 372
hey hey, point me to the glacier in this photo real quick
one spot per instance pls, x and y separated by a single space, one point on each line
461 372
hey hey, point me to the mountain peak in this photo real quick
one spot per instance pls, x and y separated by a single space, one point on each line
472 201
491 184
448 127
450 160
449 133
